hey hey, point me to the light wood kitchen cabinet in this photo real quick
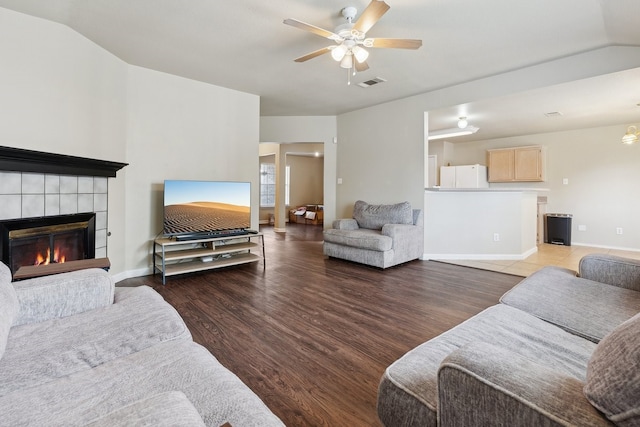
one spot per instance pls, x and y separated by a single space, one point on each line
517 164
500 165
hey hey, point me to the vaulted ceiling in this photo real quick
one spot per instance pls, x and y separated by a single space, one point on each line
244 45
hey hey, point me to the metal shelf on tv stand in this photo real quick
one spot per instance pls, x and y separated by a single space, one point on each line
172 256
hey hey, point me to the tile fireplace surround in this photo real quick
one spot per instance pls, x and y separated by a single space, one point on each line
26 195
37 184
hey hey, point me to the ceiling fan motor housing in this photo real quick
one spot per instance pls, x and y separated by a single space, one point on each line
349 13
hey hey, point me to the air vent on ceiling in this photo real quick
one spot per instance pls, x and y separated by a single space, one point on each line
553 114
372 82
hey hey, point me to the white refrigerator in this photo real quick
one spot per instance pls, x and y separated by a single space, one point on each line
467 176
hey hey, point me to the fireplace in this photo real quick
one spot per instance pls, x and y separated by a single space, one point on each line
50 194
47 240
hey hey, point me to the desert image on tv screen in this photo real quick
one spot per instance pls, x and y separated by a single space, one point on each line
203 206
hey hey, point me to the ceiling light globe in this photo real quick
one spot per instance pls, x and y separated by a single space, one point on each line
463 123
631 137
360 54
338 52
347 61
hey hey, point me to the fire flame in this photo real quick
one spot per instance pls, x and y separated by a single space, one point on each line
44 260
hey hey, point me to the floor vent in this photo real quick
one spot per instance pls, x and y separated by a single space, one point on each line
372 82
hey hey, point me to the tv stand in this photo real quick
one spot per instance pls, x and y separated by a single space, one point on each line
172 256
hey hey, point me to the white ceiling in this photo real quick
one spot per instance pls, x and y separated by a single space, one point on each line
244 45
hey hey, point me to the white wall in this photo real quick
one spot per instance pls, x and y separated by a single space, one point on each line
602 173
64 94
316 129
381 156
182 129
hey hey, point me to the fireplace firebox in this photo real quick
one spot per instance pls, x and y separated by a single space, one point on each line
47 240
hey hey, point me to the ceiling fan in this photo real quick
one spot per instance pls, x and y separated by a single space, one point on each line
350 38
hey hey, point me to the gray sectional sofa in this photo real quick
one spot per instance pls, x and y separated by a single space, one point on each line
76 350
558 350
377 235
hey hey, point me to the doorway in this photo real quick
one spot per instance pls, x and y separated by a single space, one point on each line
293 188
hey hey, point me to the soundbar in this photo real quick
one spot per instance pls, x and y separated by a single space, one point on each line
217 233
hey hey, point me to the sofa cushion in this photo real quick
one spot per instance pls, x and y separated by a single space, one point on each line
218 395
41 352
8 306
375 216
408 392
580 306
169 409
613 374
61 295
362 239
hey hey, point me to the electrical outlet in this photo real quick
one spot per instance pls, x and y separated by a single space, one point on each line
565 181
619 230
496 237
582 228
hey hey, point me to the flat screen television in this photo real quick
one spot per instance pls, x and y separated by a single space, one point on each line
195 209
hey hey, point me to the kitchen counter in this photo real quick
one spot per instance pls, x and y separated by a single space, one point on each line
481 223
490 189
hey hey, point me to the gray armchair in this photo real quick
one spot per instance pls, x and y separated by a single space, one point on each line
377 235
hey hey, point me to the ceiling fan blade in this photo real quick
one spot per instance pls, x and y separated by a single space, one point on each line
393 43
362 66
312 29
371 15
313 54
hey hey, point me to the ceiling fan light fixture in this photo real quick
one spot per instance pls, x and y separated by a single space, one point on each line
463 123
350 37
631 137
347 61
360 54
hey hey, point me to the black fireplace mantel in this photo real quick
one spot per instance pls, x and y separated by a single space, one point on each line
20 160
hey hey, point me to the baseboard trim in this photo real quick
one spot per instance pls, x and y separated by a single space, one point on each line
131 274
614 248
481 257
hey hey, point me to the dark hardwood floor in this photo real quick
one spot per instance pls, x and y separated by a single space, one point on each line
312 336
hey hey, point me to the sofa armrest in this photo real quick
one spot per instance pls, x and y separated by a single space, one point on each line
612 270
407 239
61 295
345 224
482 384
398 230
